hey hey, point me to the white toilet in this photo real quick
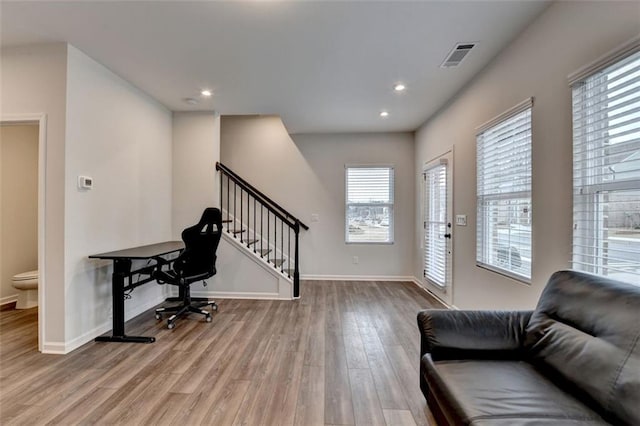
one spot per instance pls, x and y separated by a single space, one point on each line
27 285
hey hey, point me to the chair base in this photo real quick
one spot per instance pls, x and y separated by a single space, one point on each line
185 309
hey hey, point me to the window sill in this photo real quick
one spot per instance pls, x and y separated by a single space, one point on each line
520 278
383 243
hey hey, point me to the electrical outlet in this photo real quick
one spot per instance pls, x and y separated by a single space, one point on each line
355 260
461 219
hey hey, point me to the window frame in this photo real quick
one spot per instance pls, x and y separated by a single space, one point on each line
484 242
588 186
390 205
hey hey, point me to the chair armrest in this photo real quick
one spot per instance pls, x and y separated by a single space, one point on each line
448 334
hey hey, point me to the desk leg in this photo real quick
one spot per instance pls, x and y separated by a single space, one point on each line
121 270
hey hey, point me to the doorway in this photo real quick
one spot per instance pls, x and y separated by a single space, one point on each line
438 227
36 125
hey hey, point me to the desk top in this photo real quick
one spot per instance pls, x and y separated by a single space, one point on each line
143 252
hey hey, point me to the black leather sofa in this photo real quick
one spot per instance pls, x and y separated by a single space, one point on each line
574 360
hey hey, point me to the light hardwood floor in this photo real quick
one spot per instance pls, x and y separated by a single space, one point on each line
346 353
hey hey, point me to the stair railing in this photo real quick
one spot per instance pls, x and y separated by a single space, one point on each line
267 226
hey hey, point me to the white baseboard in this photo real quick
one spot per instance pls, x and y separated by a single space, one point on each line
357 278
84 338
70 345
8 299
432 294
55 348
237 295
137 310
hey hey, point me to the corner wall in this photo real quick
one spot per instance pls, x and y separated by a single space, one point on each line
567 36
33 81
305 174
121 137
196 149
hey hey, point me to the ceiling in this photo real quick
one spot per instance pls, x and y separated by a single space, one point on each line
321 66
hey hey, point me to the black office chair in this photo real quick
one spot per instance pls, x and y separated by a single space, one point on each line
196 263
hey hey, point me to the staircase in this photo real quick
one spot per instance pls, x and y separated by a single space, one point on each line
260 225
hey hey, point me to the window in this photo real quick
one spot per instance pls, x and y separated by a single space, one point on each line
503 241
606 170
369 209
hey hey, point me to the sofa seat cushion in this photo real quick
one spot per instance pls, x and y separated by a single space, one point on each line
482 392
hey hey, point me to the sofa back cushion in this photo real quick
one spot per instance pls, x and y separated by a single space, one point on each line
585 332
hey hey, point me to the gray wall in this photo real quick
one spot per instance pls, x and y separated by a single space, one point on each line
564 38
196 149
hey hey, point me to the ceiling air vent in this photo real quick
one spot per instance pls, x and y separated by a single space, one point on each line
455 57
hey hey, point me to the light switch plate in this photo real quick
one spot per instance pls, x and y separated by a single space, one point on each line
461 219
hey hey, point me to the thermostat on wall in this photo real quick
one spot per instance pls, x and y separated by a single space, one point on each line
85 182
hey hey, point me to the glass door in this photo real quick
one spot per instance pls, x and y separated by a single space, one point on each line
437 273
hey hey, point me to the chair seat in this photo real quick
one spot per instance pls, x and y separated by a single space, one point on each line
504 393
171 277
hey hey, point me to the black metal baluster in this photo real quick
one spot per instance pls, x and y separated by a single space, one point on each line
268 236
221 178
248 220
235 185
275 240
261 229
296 271
289 250
254 225
241 210
282 244
228 194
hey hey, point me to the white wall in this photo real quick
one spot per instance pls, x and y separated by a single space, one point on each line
567 36
122 138
196 149
305 175
18 204
33 80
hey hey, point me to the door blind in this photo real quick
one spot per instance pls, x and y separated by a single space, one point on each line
435 225
504 195
606 171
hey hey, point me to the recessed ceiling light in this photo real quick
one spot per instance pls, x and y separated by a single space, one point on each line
399 87
206 93
384 114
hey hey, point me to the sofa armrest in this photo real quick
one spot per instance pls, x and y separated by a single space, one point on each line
448 334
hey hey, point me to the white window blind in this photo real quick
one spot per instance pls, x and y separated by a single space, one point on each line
435 225
503 241
369 206
606 171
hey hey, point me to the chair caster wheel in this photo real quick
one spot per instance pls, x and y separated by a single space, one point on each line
158 316
208 318
214 307
170 325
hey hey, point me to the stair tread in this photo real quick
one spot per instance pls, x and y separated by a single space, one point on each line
227 220
263 252
238 231
251 241
277 262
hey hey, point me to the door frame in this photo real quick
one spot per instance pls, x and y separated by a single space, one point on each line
40 120
443 293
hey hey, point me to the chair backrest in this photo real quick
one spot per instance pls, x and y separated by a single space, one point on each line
201 242
585 331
